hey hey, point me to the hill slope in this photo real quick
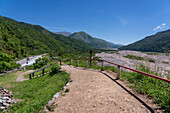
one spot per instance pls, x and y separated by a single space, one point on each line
93 42
160 42
21 39
65 33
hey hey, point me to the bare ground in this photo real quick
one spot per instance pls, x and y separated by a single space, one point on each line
21 75
98 92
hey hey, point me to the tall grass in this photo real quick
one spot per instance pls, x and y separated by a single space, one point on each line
157 89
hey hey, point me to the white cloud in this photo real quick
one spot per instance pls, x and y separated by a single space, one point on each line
162 26
123 21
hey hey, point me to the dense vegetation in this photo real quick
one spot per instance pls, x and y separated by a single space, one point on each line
160 42
34 94
40 62
6 62
93 42
21 39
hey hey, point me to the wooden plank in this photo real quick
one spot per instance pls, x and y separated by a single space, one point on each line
30 76
70 61
77 63
102 66
43 71
86 63
60 62
118 72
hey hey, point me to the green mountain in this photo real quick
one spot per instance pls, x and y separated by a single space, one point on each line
22 39
160 42
93 42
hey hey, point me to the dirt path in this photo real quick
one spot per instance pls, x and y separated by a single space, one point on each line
21 75
99 92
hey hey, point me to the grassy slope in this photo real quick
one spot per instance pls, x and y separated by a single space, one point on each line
35 93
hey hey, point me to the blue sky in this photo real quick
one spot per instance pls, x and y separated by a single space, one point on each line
118 21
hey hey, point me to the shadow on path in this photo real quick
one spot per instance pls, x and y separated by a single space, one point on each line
142 102
114 80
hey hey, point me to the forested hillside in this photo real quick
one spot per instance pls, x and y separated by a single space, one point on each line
93 42
160 42
21 39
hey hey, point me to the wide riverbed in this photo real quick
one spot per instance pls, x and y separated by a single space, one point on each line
161 64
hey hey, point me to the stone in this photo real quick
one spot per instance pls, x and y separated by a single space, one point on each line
6 104
1 101
5 98
56 95
1 88
10 95
2 108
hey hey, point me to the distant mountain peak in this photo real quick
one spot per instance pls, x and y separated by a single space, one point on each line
93 42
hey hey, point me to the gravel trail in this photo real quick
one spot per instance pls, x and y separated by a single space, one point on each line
98 92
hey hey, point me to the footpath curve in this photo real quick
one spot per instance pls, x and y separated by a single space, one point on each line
98 92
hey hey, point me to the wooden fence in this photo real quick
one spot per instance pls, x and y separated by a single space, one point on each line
118 68
42 69
102 65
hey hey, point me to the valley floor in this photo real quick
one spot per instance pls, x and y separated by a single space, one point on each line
161 62
93 91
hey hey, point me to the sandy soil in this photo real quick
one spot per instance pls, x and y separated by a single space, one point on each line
98 92
21 75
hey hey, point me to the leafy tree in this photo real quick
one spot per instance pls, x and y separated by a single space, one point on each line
6 62
40 62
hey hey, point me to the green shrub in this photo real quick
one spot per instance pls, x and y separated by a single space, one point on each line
134 57
40 62
55 68
151 60
67 90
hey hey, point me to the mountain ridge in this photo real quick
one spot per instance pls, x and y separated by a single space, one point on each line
22 39
93 42
159 42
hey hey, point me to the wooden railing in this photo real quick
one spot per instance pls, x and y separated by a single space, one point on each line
102 66
42 69
118 68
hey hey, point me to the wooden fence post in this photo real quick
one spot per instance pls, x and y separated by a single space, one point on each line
70 61
86 63
42 71
60 62
30 76
118 72
102 66
77 63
